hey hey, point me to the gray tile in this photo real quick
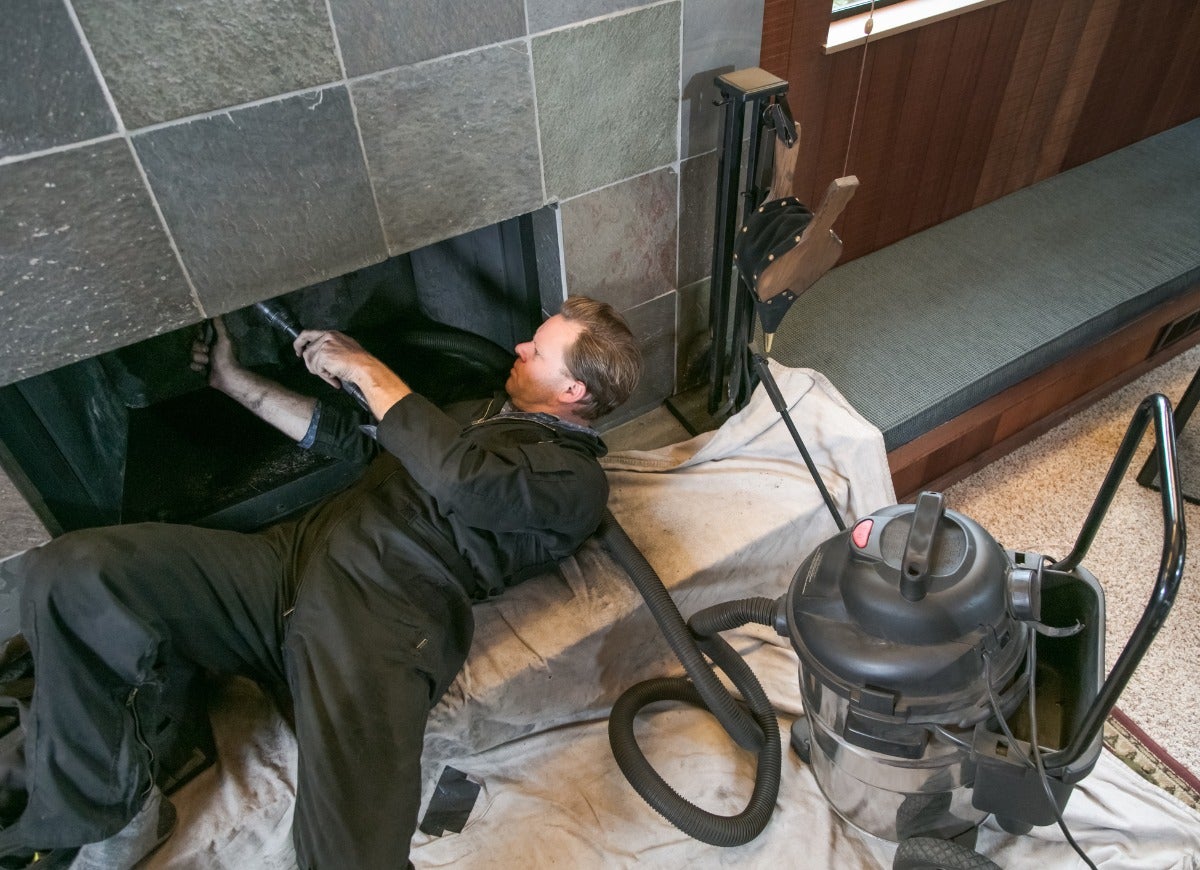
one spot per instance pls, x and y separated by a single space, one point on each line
619 242
48 91
545 14
698 184
85 266
165 61
451 144
653 323
549 258
697 210
718 37
608 99
692 340
265 199
376 35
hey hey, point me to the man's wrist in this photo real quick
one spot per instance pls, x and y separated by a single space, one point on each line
314 423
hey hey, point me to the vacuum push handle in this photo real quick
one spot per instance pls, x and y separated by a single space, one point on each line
1155 407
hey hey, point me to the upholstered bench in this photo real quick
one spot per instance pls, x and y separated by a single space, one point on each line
925 329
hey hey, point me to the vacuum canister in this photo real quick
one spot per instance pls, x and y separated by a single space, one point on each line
910 628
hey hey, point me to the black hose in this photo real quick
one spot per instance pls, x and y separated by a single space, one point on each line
757 731
446 339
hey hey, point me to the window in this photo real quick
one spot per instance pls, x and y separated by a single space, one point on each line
846 8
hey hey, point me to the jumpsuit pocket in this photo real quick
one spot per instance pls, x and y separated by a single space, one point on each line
419 648
137 742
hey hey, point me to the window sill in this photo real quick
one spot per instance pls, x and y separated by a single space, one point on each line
848 32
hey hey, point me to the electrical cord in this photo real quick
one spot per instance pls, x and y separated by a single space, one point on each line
995 702
1037 758
1034 760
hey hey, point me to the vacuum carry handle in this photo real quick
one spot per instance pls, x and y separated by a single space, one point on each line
1170 571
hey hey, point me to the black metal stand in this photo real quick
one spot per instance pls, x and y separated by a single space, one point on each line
1149 475
747 92
755 87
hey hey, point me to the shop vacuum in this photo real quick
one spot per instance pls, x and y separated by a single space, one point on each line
944 678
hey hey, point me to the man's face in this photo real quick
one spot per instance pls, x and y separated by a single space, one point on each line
539 380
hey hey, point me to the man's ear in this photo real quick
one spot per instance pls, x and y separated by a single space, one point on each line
574 392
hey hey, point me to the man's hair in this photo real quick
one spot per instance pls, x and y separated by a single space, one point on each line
605 355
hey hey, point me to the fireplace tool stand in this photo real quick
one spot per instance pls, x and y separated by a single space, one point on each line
768 249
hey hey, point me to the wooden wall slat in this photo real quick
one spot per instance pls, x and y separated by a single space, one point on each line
1044 100
875 133
991 72
1181 81
953 120
917 120
1129 77
1015 104
1096 31
831 158
775 52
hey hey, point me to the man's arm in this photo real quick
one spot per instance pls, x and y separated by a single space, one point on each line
287 411
336 357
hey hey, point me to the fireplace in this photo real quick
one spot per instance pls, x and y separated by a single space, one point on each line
159 166
134 435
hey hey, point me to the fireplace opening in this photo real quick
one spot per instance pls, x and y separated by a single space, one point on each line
134 435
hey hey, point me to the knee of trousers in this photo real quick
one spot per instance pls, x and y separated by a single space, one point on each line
71 594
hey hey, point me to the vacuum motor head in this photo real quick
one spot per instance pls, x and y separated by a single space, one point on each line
908 612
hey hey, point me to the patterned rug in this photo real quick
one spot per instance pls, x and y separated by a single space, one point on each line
1146 758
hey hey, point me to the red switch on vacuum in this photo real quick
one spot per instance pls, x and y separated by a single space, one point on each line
861 532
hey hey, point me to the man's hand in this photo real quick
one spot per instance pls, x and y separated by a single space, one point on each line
287 411
332 356
337 358
213 352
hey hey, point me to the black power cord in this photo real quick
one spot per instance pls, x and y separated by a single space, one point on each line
1034 760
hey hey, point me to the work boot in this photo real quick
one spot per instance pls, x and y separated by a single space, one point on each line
145 832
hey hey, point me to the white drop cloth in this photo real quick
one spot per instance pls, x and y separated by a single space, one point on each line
726 515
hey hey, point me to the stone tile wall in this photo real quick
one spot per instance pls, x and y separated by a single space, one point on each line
162 163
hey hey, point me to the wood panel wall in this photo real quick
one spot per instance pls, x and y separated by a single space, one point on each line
960 112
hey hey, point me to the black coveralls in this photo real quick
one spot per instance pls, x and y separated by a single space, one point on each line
360 611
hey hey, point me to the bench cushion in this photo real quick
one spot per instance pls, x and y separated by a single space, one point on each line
916 333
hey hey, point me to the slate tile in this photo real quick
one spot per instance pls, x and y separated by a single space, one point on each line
697 210
166 61
265 199
49 94
549 258
653 323
692 341
546 14
85 266
698 184
718 37
619 242
608 98
451 144
376 35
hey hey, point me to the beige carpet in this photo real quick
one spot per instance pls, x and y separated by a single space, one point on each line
1036 499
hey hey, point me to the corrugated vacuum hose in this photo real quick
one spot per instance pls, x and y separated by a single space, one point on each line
756 730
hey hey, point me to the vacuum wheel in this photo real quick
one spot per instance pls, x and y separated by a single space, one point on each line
930 853
802 740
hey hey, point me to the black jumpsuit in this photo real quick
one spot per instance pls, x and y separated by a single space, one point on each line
359 612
